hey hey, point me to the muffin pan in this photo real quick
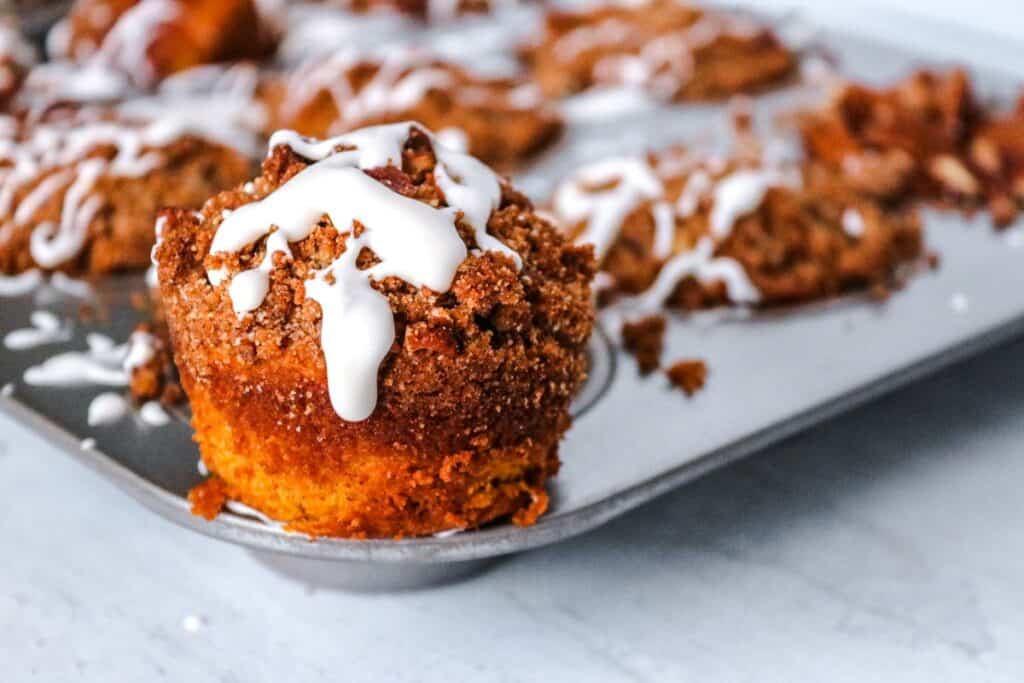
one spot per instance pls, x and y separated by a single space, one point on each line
771 374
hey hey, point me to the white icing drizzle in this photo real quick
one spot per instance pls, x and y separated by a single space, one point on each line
21 284
55 158
153 414
100 365
46 329
240 508
152 273
8 390
88 444
661 64
853 223
16 56
107 408
69 286
63 81
125 45
403 77
141 349
412 240
736 195
603 195
201 467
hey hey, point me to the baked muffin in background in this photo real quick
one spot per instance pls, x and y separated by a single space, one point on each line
691 231
148 40
674 50
502 121
378 337
80 188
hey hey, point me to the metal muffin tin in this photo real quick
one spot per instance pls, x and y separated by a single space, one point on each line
771 374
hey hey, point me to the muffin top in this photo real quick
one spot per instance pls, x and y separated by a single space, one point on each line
410 276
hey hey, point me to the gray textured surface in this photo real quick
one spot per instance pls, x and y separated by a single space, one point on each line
884 545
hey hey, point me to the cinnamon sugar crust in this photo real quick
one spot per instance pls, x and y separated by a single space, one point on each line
504 121
472 398
673 49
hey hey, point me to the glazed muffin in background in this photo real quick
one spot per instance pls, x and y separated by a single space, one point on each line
502 121
148 40
674 50
80 189
691 231
378 336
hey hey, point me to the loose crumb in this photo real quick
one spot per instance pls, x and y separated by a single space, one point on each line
645 339
688 375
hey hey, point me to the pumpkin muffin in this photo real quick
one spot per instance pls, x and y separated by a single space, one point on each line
672 49
378 336
692 231
502 121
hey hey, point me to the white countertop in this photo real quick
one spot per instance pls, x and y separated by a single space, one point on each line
883 545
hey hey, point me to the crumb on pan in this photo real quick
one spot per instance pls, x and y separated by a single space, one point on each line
645 339
472 398
688 375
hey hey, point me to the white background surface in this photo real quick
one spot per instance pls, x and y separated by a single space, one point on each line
885 545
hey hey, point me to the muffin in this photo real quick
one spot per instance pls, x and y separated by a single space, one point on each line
79 190
690 231
378 336
148 40
905 141
672 49
502 121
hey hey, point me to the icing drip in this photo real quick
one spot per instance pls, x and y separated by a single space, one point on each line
107 408
18 285
627 183
853 223
411 240
153 414
125 45
737 195
101 364
58 158
69 286
46 329
402 79
603 195
104 363
662 64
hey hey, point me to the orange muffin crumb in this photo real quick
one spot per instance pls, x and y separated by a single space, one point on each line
502 121
472 394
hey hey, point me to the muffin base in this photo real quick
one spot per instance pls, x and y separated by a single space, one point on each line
373 490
